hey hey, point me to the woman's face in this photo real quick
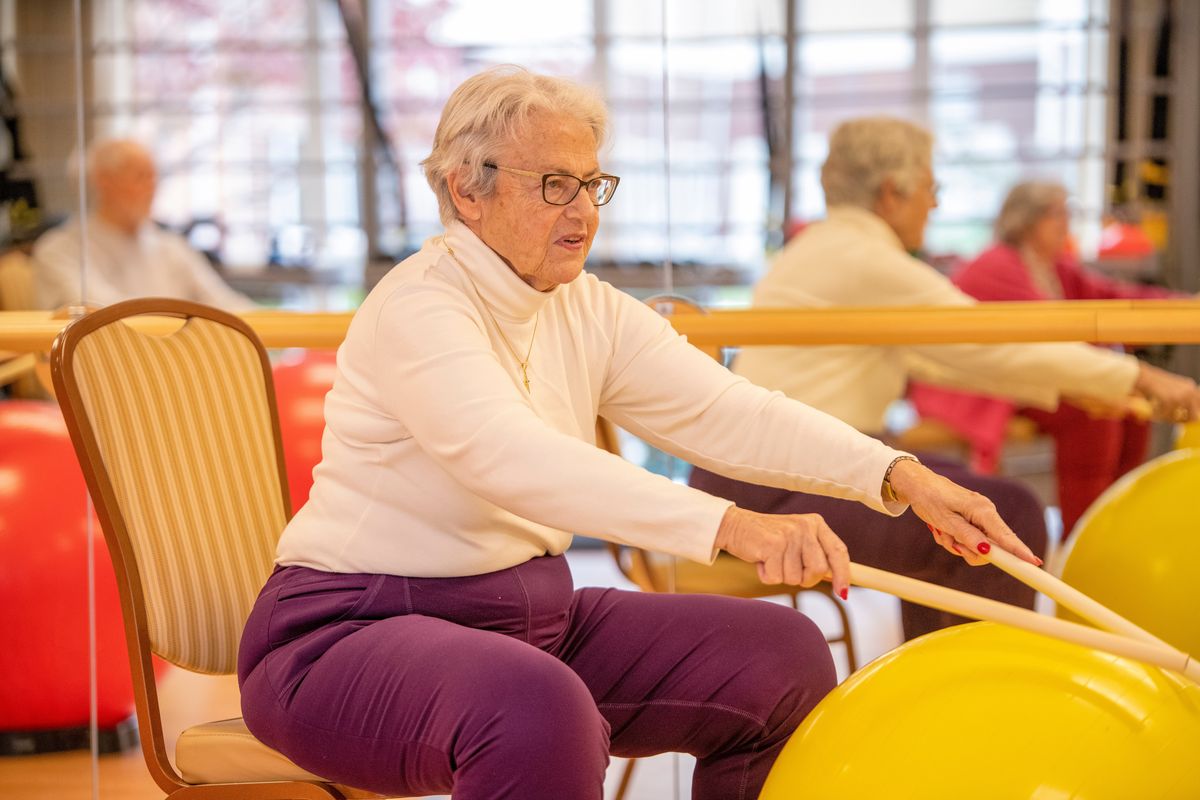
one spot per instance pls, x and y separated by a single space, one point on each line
127 191
544 244
1048 236
907 213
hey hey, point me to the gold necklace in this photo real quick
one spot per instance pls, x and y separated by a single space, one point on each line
522 363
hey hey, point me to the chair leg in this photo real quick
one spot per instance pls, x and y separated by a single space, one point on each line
626 778
847 635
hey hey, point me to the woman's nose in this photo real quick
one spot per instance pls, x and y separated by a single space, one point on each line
582 204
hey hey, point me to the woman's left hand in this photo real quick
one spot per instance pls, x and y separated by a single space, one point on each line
961 521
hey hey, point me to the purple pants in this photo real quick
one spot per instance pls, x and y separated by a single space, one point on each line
514 685
904 544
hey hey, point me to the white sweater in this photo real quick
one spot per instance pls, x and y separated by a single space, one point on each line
854 259
154 263
438 463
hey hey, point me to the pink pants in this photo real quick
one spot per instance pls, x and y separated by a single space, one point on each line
1090 454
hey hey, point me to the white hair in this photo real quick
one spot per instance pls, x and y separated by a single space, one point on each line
1026 203
488 111
865 152
105 157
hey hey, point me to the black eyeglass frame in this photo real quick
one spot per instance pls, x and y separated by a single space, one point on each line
581 183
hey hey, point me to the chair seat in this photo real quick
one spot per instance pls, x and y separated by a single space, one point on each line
226 752
933 434
727 575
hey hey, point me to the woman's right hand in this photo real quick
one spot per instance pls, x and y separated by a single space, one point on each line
1174 397
796 549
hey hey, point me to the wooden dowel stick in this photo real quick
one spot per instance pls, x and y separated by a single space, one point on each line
1068 596
969 605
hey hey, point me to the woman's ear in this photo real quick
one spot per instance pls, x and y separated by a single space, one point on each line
885 198
468 205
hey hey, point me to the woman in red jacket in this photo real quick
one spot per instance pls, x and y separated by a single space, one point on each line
1031 261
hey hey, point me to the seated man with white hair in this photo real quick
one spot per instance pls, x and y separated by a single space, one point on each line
127 255
879 189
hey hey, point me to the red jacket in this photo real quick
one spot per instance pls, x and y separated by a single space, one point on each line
999 274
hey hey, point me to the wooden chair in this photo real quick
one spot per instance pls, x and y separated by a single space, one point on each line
179 441
17 294
654 572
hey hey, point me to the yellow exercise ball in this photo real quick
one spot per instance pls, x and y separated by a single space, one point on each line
985 711
1137 549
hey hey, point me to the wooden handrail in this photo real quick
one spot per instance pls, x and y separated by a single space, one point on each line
1125 321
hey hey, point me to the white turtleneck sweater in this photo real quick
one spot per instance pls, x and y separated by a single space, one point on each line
854 259
438 463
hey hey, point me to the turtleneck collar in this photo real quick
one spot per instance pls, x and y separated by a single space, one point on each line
507 296
867 221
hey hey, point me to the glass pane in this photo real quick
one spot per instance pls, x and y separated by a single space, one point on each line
268 160
719 155
869 14
51 552
841 76
695 18
860 69
420 53
194 24
256 138
1009 58
956 12
529 25
975 189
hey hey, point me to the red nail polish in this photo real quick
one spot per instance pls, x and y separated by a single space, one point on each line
844 594
956 548
984 548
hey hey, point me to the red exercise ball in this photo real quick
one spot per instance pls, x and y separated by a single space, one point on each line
301 382
44 674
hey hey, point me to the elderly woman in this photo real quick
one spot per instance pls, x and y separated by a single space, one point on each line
421 633
1031 261
879 190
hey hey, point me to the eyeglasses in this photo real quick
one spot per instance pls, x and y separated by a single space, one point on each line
559 189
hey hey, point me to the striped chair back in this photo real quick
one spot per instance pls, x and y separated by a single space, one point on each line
179 439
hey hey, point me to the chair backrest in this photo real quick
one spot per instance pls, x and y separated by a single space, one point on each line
16 282
179 441
672 304
17 294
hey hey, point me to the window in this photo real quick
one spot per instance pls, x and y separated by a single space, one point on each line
255 110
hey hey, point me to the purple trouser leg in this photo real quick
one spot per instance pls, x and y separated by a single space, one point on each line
903 544
512 685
